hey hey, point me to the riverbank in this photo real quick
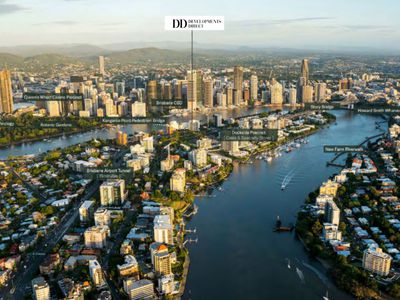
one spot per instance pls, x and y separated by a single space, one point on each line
45 137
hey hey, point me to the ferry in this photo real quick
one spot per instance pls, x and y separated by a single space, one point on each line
280 228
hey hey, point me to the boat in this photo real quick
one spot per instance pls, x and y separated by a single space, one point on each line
326 297
269 158
280 228
288 264
288 149
283 186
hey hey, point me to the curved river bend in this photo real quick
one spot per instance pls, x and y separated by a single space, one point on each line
238 256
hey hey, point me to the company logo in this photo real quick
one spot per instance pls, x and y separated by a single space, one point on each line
194 23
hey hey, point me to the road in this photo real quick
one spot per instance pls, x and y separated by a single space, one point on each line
23 277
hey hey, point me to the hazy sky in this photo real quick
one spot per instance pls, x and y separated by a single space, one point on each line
282 23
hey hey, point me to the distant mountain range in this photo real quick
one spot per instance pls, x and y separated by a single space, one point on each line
142 52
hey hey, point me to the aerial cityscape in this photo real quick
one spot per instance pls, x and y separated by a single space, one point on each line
202 150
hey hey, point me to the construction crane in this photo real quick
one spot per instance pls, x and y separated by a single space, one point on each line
168 147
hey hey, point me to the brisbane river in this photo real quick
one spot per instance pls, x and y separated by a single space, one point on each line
238 256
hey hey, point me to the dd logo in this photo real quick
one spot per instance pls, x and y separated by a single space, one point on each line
179 23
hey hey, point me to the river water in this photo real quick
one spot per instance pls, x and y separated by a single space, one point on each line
237 255
60 142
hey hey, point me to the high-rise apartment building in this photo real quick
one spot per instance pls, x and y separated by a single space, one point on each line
332 212
178 180
96 273
41 289
320 92
112 192
208 93
276 93
101 65
305 72
96 237
253 87
6 96
238 82
162 261
376 261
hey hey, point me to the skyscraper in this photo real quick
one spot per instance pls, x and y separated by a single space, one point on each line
253 87
305 70
6 97
320 92
208 93
238 81
192 90
101 65
276 92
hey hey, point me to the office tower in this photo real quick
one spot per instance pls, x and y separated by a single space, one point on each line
86 211
101 65
100 112
53 108
96 237
236 97
178 180
162 261
194 89
320 92
376 261
238 82
292 96
6 96
96 273
138 109
166 91
305 73
122 109
246 94
307 94
276 93
40 288
120 88
163 229
208 93
222 100
112 192
88 105
178 90
300 84
332 212
345 84
141 289
102 217
198 157
253 87
151 91
229 96
110 108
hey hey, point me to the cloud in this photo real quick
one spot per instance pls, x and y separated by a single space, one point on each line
6 8
258 23
63 23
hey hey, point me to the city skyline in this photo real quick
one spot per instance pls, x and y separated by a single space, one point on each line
290 24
